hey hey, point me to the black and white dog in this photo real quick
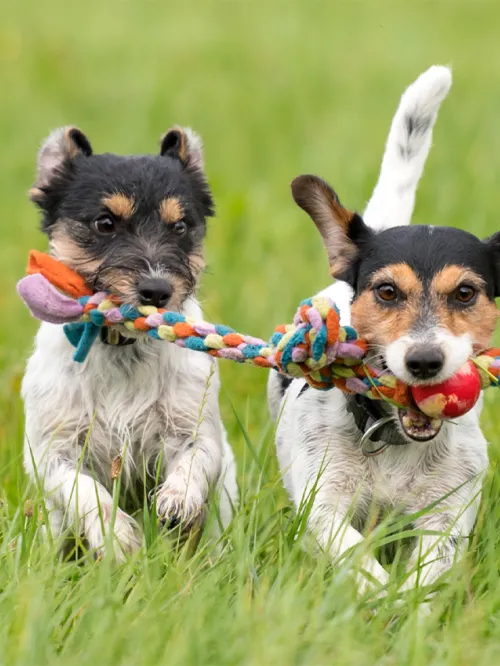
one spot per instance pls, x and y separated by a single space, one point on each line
423 298
133 226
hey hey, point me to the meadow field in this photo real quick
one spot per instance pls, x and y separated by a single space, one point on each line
275 89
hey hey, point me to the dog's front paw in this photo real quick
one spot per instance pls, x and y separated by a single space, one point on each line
179 507
127 537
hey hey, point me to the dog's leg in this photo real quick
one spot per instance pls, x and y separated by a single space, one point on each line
325 473
181 499
452 524
55 527
89 507
78 501
337 537
227 487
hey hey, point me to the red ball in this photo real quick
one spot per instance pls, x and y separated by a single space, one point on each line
452 398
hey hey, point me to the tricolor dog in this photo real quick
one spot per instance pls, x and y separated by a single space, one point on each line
423 298
133 226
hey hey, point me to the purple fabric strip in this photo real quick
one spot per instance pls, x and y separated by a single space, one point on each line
315 318
114 315
98 297
154 320
355 384
254 341
348 350
204 328
232 353
299 355
45 302
332 352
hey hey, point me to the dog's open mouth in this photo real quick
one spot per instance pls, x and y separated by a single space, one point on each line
418 426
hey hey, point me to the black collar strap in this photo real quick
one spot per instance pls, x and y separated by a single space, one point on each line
366 414
371 415
111 336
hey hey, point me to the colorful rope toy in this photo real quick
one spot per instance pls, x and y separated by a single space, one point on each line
315 346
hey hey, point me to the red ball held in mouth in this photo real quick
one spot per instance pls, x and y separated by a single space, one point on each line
451 398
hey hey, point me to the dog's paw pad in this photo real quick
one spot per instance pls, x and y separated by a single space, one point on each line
178 509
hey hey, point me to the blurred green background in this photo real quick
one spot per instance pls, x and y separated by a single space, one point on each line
275 89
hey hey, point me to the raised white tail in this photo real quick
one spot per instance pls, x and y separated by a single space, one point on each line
406 151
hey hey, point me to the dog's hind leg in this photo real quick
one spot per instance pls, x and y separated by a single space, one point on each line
226 494
227 487
77 502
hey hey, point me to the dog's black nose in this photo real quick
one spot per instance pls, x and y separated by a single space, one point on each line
155 291
425 362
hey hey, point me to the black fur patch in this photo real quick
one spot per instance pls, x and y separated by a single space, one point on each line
427 250
74 201
415 125
80 187
284 383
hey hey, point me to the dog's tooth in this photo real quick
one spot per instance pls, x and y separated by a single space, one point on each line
407 421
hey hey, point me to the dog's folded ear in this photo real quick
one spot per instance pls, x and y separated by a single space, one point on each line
57 151
341 229
181 143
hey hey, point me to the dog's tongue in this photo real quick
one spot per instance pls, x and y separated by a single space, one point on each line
47 303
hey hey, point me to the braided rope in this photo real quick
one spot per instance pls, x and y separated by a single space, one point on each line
315 347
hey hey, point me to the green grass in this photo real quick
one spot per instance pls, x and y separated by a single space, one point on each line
276 89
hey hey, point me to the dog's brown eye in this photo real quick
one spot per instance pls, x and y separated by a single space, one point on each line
386 293
180 227
465 294
104 225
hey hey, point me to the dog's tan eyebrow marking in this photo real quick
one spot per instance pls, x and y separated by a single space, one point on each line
120 205
171 210
403 276
450 277
381 325
477 321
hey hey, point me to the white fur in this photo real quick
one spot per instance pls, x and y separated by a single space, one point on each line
53 152
456 350
195 148
318 444
161 411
